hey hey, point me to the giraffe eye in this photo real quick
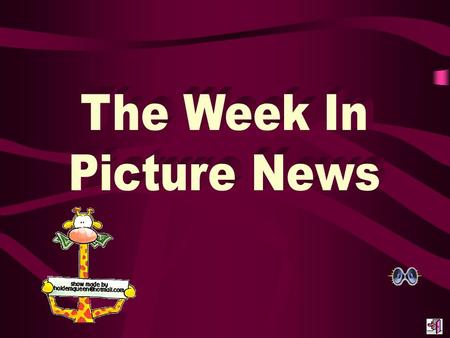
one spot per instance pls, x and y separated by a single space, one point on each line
82 222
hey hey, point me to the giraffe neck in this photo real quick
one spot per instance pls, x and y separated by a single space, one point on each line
84 313
83 261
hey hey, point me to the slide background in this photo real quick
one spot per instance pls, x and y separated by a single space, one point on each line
239 263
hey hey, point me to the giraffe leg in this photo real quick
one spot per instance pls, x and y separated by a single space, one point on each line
59 311
84 314
109 310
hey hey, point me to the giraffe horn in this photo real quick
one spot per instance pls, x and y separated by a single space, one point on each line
76 210
90 211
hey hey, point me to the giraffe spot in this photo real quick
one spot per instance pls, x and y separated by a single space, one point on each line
87 301
87 313
84 257
74 312
82 267
80 306
81 320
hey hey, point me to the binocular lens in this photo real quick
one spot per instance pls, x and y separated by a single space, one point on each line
411 276
397 276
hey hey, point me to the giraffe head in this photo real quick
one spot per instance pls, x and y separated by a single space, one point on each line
82 227
82 230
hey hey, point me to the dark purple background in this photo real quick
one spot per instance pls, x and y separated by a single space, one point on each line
239 263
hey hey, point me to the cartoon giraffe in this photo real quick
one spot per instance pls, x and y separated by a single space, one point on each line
83 231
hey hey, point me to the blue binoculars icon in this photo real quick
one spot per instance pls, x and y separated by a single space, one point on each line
398 276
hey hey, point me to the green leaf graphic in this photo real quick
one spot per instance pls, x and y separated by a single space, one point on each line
62 240
102 239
